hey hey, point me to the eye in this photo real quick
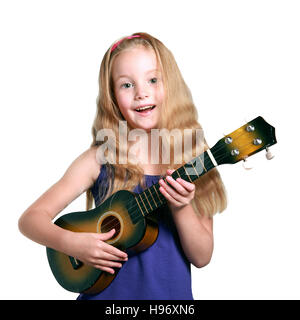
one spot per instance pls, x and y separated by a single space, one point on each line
153 80
126 85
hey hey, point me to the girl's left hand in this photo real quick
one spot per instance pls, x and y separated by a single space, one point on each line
180 195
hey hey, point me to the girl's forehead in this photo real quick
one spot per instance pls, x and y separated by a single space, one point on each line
136 50
134 58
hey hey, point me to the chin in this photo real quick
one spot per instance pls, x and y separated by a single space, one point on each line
150 127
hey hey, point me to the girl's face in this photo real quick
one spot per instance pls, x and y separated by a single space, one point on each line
138 84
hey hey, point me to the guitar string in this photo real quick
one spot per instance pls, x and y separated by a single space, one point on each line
134 204
134 201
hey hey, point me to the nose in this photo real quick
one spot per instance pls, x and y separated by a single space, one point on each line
141 92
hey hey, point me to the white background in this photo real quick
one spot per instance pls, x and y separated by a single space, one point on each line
240 60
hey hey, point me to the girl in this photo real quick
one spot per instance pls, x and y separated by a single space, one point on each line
137 72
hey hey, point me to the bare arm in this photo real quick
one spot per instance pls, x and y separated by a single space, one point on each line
196 235
195 232
36 222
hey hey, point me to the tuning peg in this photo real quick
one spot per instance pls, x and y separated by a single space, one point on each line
269 155
244 164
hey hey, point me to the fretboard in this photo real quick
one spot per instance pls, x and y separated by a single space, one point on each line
151 198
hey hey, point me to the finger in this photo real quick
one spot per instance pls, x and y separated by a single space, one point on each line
109 248
170 171
107 263
106 235
113 251
177 186
112 257
189 186
172 192
106 269
169 197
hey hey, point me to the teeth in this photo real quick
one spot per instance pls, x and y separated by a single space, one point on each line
144 108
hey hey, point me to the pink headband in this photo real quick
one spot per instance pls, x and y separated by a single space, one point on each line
117 43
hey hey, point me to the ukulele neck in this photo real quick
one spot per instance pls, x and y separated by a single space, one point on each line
151 198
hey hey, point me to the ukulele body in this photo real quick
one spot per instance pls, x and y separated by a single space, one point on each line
134 233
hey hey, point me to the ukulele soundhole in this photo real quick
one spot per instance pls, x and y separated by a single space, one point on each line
111 220
109 223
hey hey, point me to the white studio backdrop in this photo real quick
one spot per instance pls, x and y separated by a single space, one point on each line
239 58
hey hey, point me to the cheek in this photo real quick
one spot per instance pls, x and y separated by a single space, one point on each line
122 100
161 94
124 103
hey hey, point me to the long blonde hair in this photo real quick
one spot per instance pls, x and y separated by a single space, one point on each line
210 195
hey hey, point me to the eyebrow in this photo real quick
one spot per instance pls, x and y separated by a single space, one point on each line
126 76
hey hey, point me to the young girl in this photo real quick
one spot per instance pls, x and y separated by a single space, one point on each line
137 72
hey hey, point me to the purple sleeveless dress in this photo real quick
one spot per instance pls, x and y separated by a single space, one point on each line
161 272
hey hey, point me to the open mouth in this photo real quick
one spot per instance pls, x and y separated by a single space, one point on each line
145 110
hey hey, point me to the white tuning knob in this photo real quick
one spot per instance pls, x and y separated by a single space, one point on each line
269 155
244 164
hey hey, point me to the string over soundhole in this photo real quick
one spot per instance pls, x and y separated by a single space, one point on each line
108 221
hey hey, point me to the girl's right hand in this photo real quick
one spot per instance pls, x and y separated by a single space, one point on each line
92 249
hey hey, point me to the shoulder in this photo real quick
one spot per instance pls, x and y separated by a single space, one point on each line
86 165
79 177
92 158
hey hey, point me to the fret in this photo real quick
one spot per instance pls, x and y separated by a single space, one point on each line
188 172
176 172
139 206
149 189
195 170
148 200
154 186
203 166
182 173
140 195
197 165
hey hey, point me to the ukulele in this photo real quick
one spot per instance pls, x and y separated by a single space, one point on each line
128 212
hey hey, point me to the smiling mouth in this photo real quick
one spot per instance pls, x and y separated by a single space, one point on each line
145 109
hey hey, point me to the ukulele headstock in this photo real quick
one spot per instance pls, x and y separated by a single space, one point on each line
249 139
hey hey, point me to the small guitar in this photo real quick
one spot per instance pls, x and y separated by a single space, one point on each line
128 212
